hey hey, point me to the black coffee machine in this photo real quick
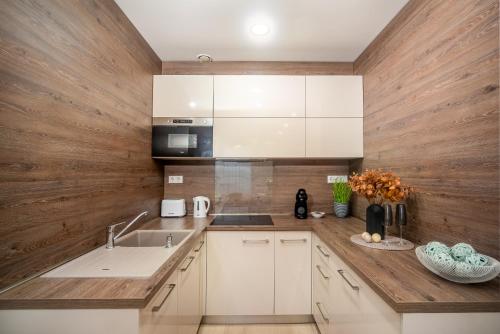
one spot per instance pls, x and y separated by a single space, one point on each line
301 204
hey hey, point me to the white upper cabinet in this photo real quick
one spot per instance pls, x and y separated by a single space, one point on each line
259 137
183 96
334 96
259 96
334 137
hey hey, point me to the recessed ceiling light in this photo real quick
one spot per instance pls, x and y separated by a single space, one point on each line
260 29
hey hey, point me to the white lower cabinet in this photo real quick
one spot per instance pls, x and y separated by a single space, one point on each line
190 300
344 303
177 307
161 314
240 273
292 273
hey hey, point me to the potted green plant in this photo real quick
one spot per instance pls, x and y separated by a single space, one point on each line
341 195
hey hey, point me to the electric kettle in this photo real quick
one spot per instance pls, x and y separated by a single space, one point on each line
200 210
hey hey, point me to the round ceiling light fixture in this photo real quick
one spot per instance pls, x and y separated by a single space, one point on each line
204 58
260 29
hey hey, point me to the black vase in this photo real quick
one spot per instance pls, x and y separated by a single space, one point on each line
375 219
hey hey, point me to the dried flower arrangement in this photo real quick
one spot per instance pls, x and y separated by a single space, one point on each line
376 186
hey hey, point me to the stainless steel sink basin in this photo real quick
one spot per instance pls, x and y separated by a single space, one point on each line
152 238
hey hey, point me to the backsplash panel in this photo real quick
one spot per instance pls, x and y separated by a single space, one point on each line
242 187
254 186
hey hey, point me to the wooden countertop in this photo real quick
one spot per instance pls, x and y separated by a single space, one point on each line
397 277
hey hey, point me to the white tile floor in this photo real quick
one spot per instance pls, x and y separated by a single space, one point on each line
259 329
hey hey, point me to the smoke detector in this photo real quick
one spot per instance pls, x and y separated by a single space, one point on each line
204 58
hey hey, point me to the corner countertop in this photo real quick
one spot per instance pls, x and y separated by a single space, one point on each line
397 277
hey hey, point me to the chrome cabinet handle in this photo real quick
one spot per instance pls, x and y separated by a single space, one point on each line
263 241
284 241
200 247
354 287
322 313
322 251
158 307
191 258
321 272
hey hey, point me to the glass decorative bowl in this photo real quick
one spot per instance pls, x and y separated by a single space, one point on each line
452 272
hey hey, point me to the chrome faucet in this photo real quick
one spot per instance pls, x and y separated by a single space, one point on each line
111 237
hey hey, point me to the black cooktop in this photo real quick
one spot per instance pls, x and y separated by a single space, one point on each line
243 220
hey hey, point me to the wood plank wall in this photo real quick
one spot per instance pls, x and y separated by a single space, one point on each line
257 67
431 113
75 130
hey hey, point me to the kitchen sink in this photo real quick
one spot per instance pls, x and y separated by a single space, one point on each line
137 254
152 238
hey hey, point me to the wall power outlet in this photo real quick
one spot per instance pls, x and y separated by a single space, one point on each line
333 178
175 179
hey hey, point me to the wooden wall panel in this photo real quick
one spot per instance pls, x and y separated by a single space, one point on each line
257 67
75 130
431 112
273 184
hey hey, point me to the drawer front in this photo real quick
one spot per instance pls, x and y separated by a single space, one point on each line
322 275
320 248
321 313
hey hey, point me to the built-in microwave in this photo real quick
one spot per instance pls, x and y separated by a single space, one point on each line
182 137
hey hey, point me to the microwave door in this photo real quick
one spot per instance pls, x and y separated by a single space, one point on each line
182 141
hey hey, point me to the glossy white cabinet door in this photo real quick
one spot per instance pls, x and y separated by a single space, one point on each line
334 96
240 273
182 96
356 309
161 314
334 137
259 137
189 294
293 272
259 96
201 249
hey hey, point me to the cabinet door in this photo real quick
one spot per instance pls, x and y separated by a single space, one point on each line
240 273
189 294
161 314
293 272
201 249
334 137
334 96
356 309
259 137
182 96
259 96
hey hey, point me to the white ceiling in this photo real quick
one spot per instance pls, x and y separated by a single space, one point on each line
300 30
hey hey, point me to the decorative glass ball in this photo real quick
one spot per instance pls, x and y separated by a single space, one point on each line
476 259
463 268
443 259
436 247
461 250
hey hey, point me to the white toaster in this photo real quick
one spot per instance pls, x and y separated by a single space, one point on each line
173 207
